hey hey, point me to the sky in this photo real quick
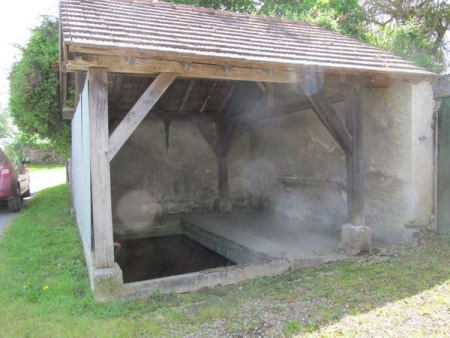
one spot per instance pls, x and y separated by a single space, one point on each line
17 17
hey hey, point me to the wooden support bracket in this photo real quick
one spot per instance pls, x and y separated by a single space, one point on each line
324 109
140 109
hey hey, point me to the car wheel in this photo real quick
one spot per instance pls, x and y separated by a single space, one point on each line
27 193
15 205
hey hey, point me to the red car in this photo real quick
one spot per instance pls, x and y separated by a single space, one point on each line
14 179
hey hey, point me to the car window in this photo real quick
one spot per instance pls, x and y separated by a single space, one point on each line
2 156
13 158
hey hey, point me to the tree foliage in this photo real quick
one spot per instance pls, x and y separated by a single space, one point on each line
5 125
34 88
413 29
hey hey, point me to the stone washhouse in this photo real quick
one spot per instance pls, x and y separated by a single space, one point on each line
212 147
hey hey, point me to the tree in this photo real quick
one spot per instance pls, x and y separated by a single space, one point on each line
34 88
5 125
412 29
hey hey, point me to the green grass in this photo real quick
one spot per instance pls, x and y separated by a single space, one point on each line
42 167
45 289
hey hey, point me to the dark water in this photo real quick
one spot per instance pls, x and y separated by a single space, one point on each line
149 258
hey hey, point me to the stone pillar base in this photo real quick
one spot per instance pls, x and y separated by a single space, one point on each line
223 205
355 239
107 284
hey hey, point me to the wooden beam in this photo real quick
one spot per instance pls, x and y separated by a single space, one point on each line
371 78
355 160
261 86
324 109
270 94
203 70
227 98
281 109
186 95
100 170
140 109
208 97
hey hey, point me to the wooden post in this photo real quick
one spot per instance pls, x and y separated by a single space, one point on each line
355 164
100 170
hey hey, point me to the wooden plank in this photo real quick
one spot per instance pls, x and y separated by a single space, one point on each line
281 109
140 109
324 109
203 70
355 160
100 170
354 75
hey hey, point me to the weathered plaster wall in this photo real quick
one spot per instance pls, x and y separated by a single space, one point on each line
398 159
157 174
398 153
298 145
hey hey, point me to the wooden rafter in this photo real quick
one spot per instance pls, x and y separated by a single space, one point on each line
140 109
187 94
227 98
208 97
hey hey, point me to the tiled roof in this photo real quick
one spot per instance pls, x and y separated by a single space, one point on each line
160 27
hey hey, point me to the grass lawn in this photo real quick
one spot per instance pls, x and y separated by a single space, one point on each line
45 292
42 167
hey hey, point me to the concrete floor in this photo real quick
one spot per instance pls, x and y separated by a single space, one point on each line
260 245
275 237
